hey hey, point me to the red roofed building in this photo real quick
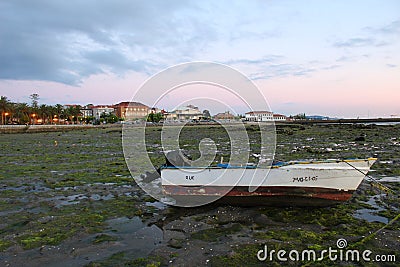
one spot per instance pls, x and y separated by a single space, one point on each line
224 116
279 117
131 110
259 116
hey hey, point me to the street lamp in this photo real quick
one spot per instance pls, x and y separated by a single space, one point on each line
5 117
33 118
55 119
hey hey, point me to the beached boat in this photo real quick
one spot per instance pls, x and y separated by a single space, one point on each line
309 183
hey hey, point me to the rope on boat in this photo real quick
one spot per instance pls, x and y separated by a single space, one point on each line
374 233
380 186
374 182
365 239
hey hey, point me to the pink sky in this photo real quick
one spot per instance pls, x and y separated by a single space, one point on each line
335 58
334 93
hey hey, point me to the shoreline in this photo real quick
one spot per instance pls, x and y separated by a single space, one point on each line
9 129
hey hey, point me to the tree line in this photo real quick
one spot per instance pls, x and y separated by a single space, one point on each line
33 113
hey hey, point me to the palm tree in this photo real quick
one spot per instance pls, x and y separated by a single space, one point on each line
22 112
4 106
11 110
59 109
72 113
42 113
52 111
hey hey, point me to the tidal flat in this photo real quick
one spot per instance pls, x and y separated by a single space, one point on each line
68 198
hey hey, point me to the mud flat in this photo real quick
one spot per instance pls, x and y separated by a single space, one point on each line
67 198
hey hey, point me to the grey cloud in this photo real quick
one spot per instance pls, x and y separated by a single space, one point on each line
389 29
272 66
356 42
66 41
265 59
115 60
281 70
377 37
331 67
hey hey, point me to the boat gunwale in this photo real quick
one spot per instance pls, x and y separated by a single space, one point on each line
288 163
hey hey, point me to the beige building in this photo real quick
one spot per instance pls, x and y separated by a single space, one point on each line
189 112
131 110
224 116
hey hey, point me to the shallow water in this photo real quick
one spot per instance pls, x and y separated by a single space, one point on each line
393 179
370 214
133 238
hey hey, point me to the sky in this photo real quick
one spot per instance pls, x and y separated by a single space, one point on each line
337 58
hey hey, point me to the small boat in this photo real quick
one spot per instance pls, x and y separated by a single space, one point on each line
297 183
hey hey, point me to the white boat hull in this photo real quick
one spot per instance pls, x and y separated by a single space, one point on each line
333 181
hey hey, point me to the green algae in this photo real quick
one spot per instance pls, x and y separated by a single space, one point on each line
101 238
215 234
4 244
120 259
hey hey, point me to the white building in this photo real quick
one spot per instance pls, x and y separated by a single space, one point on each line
259 116
279 117
87 111
98 110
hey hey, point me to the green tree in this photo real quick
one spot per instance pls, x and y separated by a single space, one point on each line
206 114
300 116
155 117
22 113
44 113
72 113
109 117
4 108
35 100
59 110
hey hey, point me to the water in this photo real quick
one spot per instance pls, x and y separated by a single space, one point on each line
370 214
134 238
390 179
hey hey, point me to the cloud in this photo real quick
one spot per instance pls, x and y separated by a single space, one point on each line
331 67
66 41
262 60
356 42
392 28
379 36
281 70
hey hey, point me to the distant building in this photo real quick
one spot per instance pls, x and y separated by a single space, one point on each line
87 111
189 112
259 116
224 116
131 110
279 117
98 110
70 106
317 118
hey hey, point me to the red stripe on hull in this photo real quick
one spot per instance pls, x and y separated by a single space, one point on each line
262 194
